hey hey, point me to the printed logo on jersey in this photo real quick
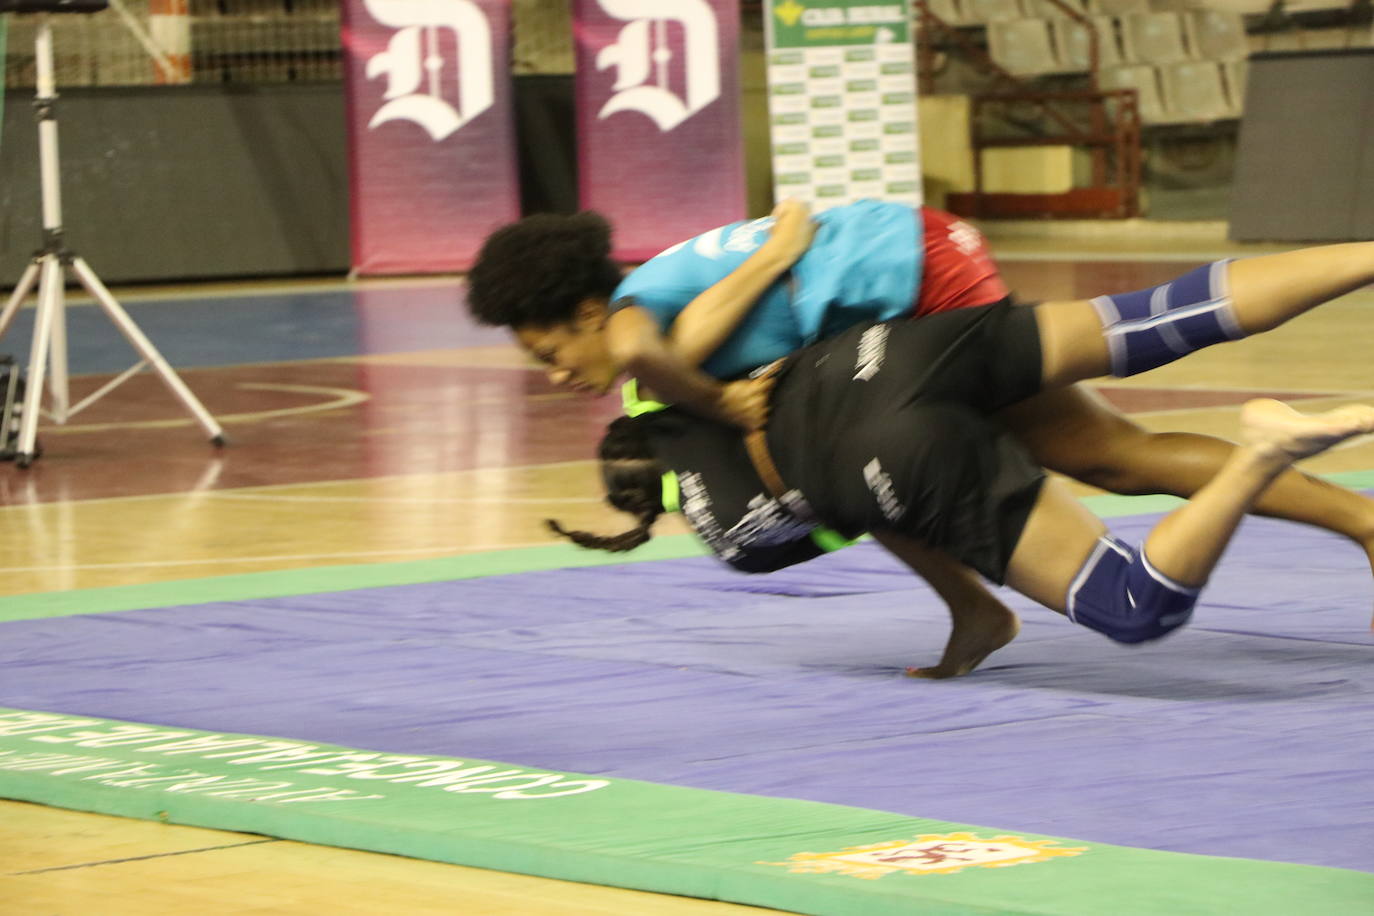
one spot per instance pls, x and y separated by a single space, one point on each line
769 523
928 854
744 239
880 485
766 523
422 86
696 505
966 238
872 349
644 55
716 244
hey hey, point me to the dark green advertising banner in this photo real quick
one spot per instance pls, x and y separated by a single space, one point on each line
820 23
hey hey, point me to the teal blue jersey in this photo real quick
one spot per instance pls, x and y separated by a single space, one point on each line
863 265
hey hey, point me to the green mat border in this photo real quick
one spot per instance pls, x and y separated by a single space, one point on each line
320 580
622 833
690 842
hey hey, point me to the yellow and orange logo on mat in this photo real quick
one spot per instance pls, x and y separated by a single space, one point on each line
928 854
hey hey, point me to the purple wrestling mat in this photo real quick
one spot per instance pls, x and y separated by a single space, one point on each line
1250 733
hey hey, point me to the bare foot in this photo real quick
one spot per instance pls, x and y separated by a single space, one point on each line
1279 432
1276 430
978 632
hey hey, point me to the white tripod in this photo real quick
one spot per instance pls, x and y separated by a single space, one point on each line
48 352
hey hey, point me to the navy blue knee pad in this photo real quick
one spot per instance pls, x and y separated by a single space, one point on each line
1155 326
1119 594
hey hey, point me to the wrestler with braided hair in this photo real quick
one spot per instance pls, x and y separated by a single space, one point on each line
741 296
890 429
649 329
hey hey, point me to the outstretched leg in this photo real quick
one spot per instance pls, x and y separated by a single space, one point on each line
1075 432
1133 332
1064 561
1188 542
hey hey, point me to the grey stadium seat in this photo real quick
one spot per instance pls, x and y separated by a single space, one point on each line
1195 92
1071 40
1023 47
1153 38
993 10
1142 79
1216 34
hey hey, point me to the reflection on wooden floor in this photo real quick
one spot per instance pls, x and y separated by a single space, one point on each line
390 457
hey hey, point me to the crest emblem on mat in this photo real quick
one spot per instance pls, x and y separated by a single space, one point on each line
438 93
928 854
644 56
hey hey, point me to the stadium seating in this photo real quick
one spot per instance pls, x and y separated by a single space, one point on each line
1216 35
1187 64
1195 91
1144 80
993 10
950 12
1023 47
1044 9
1071 41
1118 7
1154 38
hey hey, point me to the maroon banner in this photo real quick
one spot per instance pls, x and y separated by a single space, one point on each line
660 149
431 131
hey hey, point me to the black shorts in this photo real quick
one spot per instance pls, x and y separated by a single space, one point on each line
888 426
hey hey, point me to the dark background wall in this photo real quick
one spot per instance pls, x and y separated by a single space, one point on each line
1305 163
185 182
202 182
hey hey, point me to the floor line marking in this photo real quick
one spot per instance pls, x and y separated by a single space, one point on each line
445 550
30 506
342 398
158 855
464 500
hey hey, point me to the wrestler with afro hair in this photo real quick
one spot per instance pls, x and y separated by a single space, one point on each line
538 270
550 279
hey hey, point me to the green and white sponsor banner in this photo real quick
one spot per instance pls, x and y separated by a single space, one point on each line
842 101
798 856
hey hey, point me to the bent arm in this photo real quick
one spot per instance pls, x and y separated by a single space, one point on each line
668 365
637 345
705 323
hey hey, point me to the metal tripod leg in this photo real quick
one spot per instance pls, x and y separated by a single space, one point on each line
21 292
50 282
59 401
145 348
48 353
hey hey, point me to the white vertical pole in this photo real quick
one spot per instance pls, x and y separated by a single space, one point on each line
169 25
51 280
47 128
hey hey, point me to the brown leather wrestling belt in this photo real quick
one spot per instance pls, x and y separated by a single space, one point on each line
757 444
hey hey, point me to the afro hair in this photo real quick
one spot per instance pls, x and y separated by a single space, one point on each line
537 270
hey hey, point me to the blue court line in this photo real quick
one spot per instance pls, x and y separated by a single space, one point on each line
266 328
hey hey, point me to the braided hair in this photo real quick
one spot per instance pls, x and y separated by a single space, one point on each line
634 484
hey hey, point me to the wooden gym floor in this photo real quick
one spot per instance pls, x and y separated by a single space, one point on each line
388 447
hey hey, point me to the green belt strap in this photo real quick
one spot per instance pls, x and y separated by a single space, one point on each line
629 398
